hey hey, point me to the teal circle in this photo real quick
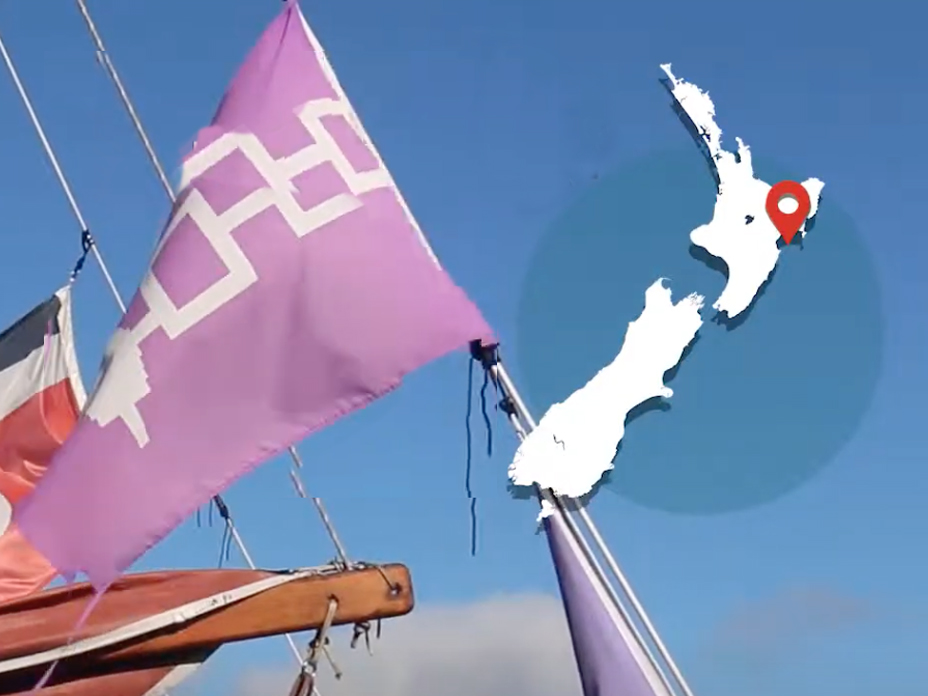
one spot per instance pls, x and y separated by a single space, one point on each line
761 404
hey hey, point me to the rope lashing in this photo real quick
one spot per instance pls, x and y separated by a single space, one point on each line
305 682
87 243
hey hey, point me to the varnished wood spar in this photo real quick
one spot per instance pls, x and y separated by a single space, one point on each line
299 605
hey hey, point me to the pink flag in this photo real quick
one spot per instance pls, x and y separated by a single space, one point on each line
290 287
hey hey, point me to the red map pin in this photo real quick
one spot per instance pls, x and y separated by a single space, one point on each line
788 224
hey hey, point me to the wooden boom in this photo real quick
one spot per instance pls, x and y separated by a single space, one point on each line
36 628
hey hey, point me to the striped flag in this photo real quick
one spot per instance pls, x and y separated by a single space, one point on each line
41 395
609 657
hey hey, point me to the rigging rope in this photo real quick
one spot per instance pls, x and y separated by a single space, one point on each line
320 508
86 239
305 683
104 59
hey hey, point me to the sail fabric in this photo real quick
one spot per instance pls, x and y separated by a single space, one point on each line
290 287
609 658
41 395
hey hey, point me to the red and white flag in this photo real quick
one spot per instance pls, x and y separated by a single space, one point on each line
41 397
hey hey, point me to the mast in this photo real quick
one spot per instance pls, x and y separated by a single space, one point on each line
523 423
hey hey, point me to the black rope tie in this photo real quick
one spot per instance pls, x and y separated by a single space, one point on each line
86 245
483 410
225 545
469 461
209 514
486 356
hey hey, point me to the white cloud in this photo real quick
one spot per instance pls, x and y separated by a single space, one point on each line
791 616
505 646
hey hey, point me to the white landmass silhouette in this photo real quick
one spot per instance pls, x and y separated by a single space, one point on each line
740 233
576 440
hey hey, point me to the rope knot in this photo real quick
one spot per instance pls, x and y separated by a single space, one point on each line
87 243
362 629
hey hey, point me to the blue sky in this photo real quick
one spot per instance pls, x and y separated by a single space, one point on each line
494 117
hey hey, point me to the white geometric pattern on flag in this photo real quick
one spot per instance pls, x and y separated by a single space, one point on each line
358 127
118 396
